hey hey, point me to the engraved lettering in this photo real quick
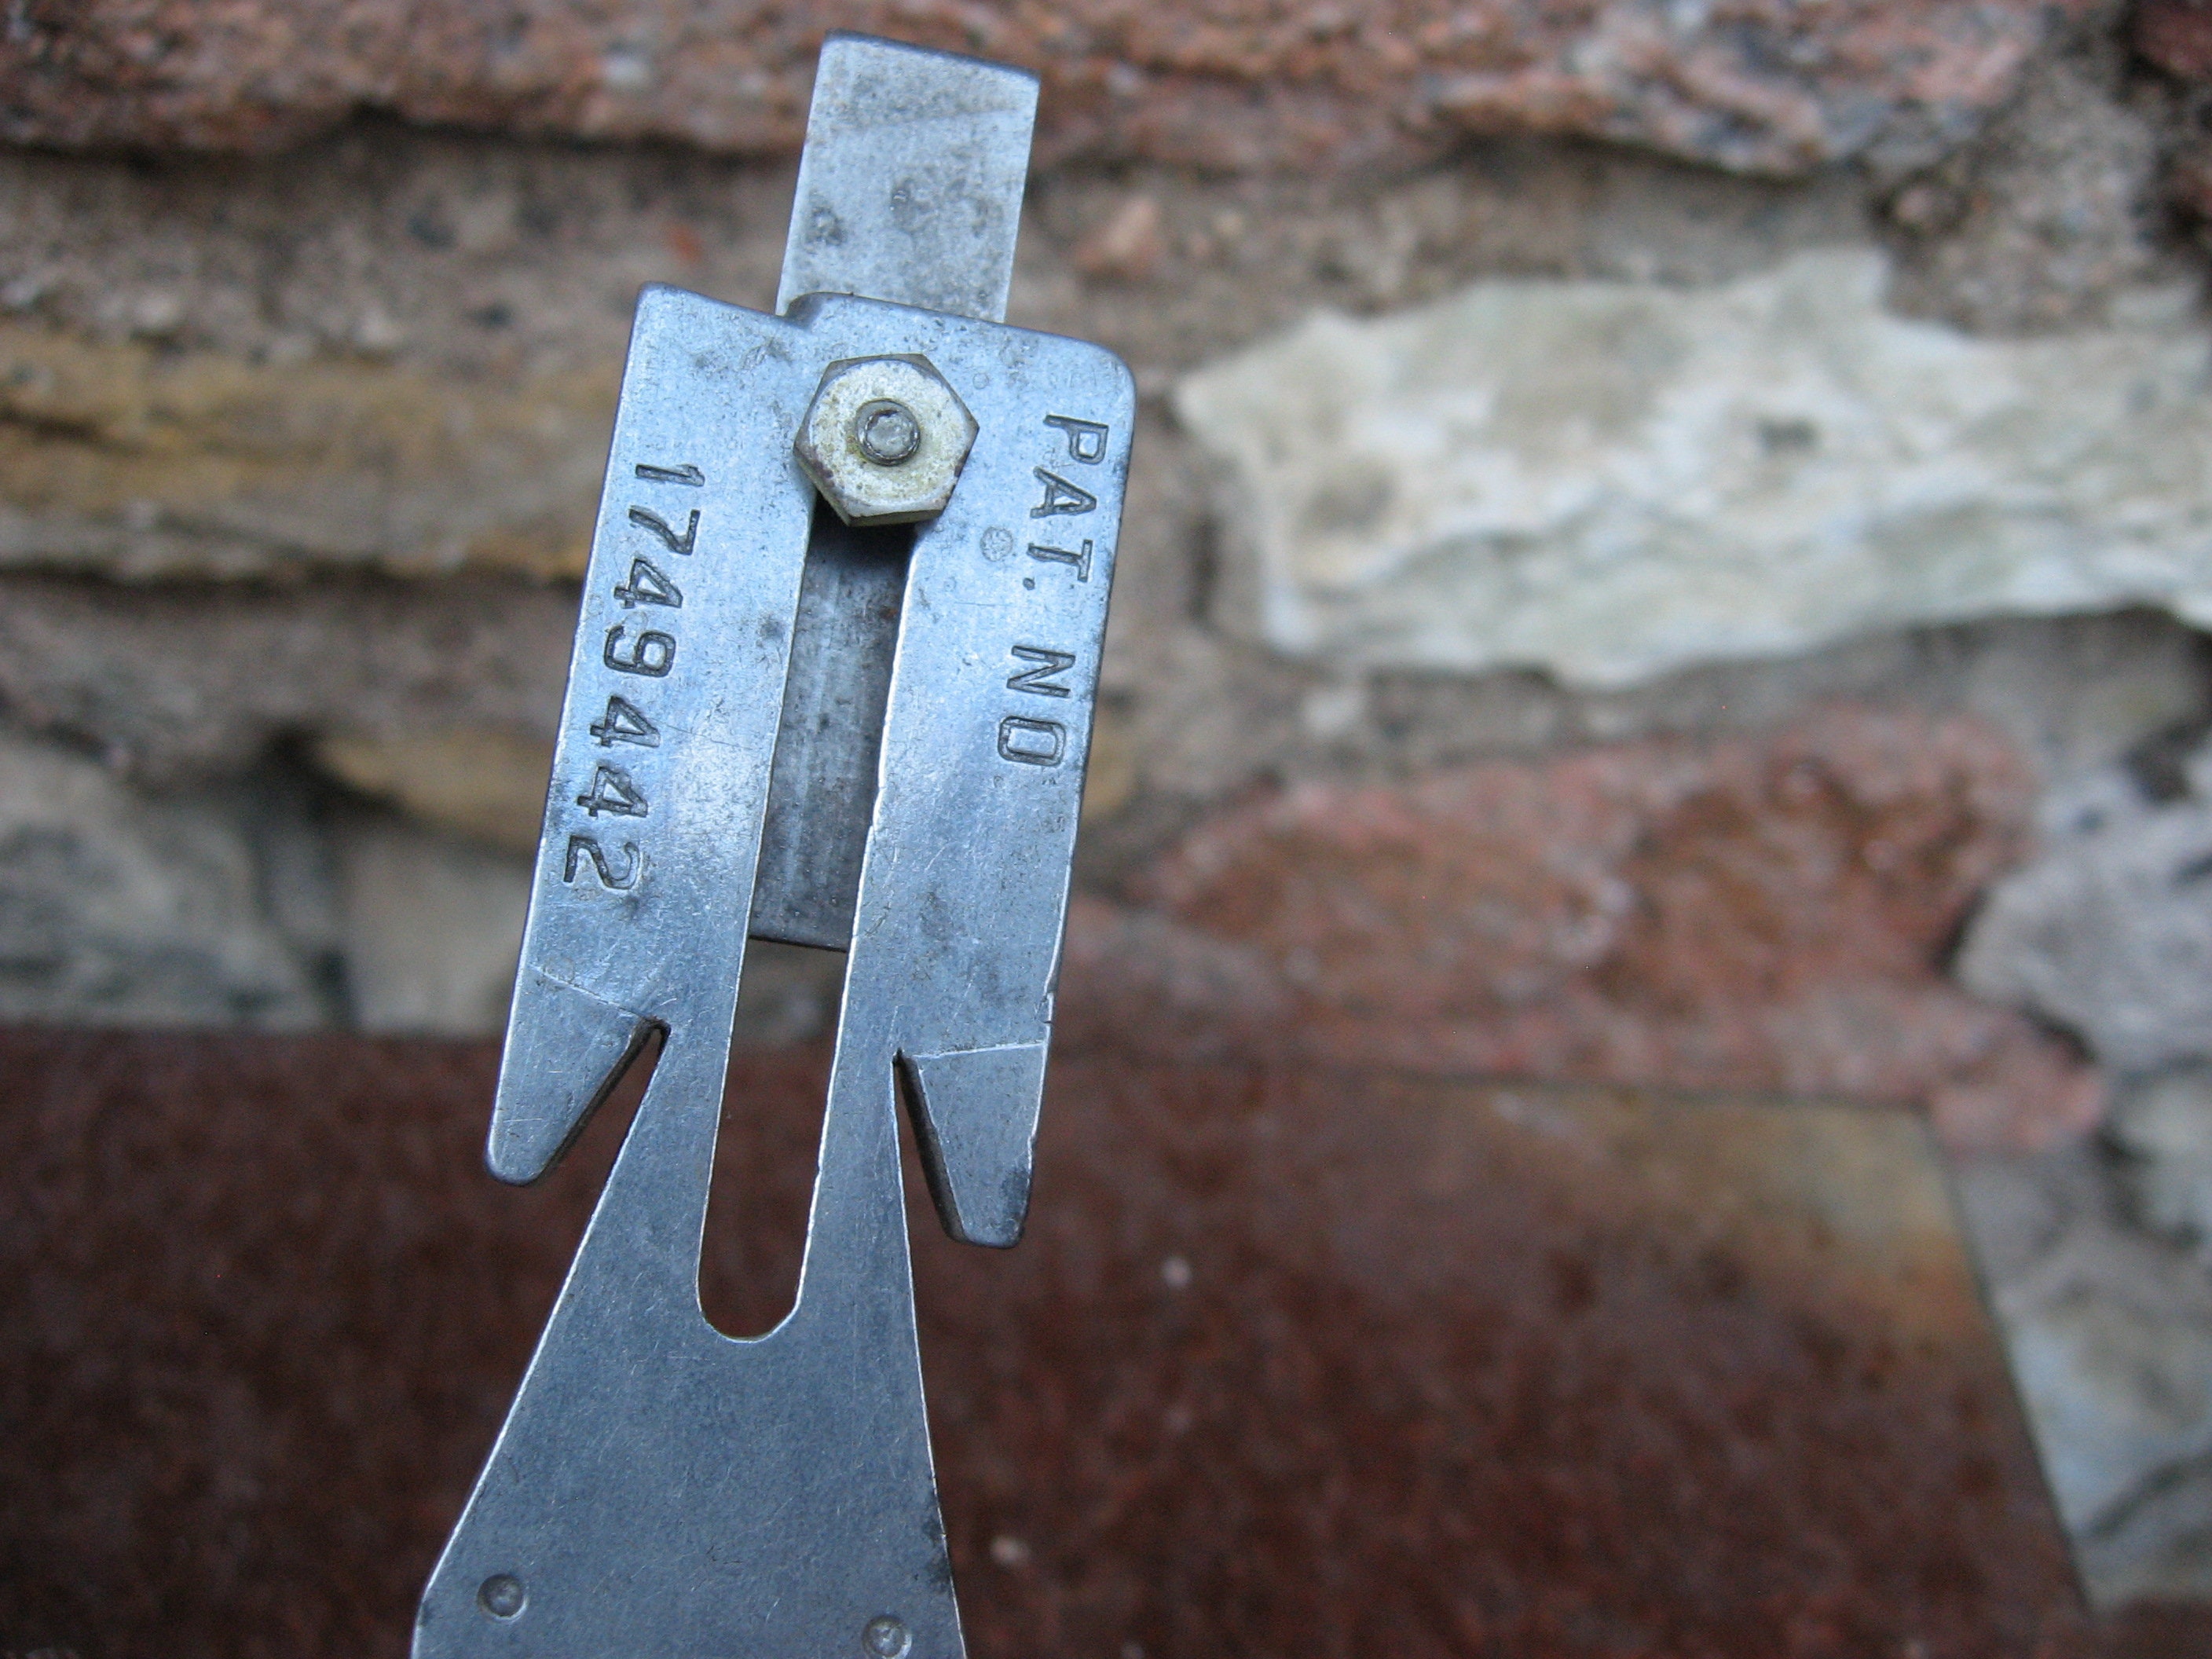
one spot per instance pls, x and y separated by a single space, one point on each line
683 474
588 847
648 584
625 722
1086 440
1059 497
1033 743
646 518
1039 681
612 791
1061 556
650 654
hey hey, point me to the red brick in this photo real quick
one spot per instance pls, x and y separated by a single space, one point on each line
1767 913
2177 36
1761 85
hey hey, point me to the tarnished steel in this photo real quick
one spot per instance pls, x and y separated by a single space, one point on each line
893 734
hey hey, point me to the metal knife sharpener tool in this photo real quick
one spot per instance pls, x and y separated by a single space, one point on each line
832 683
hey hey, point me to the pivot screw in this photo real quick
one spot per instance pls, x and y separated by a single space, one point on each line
502 1596
884 440
886 1638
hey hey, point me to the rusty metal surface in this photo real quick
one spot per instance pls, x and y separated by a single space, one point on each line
1291 1362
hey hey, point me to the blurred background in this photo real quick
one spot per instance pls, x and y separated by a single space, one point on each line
1667 552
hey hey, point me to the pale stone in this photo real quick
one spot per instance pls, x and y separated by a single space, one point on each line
124 459
432 928
2110 933
175 683
2110 1333
1611 480
2017 1207
2162 1126
483 781
1111 779
2110 1339
116 910
2156 1549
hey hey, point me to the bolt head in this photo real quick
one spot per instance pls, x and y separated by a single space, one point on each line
886 1638
884 440
502 1596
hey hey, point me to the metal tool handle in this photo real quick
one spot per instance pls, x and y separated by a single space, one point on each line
659 1488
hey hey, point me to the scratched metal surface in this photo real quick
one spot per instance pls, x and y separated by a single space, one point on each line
910 184
908 791
1290 1362
612 1468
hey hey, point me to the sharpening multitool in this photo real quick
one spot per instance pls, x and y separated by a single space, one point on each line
832 684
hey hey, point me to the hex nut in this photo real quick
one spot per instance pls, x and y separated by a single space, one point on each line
884 440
